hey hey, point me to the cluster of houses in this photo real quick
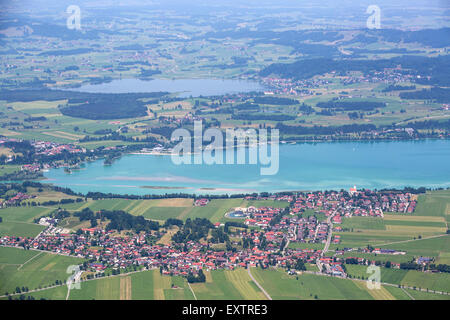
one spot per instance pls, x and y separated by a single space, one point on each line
263 246
260 217
15 200
31 167
52 148
201 202
354 203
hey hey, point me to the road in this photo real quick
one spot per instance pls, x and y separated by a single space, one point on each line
327 244
258 285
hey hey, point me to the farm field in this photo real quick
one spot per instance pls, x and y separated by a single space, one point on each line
435 203
145 285
40 270
279 285
227 285
20 229
411 278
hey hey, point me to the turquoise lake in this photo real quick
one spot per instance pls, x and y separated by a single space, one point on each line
185 87
307 166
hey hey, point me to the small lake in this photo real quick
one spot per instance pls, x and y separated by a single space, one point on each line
307 166
185 87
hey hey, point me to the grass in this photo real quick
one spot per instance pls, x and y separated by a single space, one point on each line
433 247
217 288
370 223
20 229
434 203
421 295
43 270
281 286
432 281
15 256
244 284
388 275
23 214
164 213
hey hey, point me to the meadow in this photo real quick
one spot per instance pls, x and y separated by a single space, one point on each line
411 278
227 285
32 269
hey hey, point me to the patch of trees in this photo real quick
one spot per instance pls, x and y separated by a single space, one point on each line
275 101
393 87
146 73
351 261
436 38
69 52
236 224
134 47
351 105
430 125
219 236
433 70
277 218
120 220
440 267
173 222
165 131
246 106
27 95
31 119
300 265
410 266
62 201
440 95
85 214
193 230
355 115
306 109
262 116
106 108
71 68
196 279
322 130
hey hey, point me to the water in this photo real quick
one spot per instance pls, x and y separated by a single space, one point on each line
321 166
185 87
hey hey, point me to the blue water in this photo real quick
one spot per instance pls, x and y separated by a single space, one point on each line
321 166
185 87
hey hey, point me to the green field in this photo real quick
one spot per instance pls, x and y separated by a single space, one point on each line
40 270
279 285
411 278
358 223
145 285
434 203
19 229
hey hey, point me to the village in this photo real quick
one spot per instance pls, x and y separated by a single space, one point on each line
263 242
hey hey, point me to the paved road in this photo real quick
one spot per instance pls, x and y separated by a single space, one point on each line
257 283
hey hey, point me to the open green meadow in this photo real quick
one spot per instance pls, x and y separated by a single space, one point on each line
227 285
282 286
411 278
434 203
145 285
33 271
